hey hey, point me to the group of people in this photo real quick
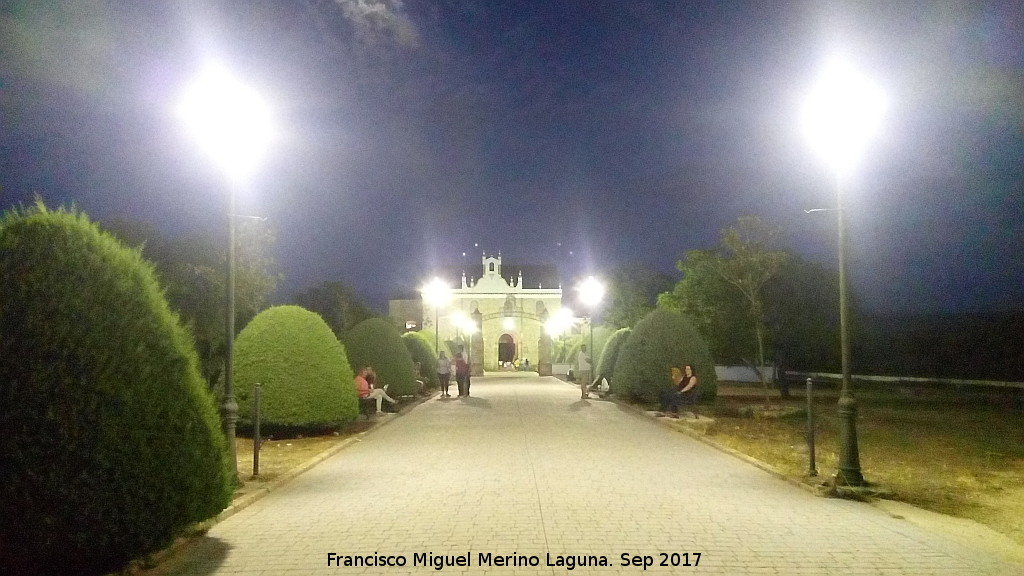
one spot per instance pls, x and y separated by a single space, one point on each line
460 366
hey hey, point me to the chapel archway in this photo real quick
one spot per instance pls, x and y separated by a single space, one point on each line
506 349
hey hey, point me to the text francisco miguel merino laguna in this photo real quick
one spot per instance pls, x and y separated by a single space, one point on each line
569 562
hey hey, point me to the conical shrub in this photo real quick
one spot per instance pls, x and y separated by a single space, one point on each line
110 444
422 351
662 339
304 375
377 343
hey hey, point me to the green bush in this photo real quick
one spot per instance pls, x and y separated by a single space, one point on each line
610 353
422 351
377 343
305 376
663 338
110 444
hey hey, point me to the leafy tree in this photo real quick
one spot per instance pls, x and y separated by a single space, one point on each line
745 261
802 313
633 291
337 304
109 441
714 306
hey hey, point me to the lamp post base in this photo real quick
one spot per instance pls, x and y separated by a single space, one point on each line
228 422
849 459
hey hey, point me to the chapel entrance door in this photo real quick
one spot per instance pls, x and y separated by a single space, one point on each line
506 350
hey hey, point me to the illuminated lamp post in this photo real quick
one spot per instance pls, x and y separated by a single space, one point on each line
233 124
840 117
591 293
437 293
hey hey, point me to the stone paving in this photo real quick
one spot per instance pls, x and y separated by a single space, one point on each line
526 469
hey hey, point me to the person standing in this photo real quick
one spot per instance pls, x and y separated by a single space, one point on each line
583 370
444 373
461 374
366 390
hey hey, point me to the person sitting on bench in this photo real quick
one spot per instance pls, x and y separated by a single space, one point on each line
366 390
683 391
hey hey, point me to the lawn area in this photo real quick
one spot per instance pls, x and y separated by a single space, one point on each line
961 459
277 457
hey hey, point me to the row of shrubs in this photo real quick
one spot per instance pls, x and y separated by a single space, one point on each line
110 440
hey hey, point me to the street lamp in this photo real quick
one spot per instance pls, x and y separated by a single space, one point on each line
591 293
233 124
437 293
841 116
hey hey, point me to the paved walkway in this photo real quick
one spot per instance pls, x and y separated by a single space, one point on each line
524 468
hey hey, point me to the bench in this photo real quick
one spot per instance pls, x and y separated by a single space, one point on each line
367 407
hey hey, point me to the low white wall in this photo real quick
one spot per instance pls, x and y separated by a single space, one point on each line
562 369
743 373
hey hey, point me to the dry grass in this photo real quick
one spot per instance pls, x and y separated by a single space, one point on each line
961 460
278 457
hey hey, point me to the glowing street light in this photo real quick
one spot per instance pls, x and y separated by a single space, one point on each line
233 124
437 294
591 293
559 322
841 116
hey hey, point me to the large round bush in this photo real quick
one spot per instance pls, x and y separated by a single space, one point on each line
109 442
660 340
422 351
377 343
610 353
304 373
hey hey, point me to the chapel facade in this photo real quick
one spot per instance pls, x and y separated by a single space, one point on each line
495 318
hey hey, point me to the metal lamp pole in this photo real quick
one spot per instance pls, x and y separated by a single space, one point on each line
229 407
849 473
841 115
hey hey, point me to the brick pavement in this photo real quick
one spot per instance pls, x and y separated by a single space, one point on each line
526 468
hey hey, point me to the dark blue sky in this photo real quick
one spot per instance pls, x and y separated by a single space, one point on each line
413 130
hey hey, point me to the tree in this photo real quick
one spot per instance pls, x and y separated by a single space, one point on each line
744 262
633 292
715 307
802 314
748 262
337 304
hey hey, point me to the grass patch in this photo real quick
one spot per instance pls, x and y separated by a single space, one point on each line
957 459
278 457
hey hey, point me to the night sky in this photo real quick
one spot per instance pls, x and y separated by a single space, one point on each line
586 134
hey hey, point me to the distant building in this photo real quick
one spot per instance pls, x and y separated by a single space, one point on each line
507 316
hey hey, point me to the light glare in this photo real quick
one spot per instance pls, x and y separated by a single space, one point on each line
842 114
591 292
229 120
436 292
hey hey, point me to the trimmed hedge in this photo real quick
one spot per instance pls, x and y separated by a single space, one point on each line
422 351
305 376
377 343
659 341
109 442
610 353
